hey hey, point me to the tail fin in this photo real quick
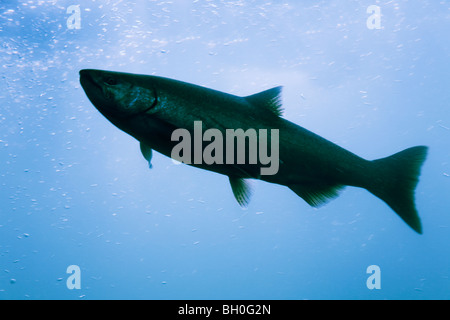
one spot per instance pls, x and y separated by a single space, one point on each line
396 179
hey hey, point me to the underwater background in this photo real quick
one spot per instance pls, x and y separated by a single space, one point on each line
75 190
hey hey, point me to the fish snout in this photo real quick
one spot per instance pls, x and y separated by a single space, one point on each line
88 74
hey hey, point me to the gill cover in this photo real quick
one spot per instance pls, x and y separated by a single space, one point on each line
128 98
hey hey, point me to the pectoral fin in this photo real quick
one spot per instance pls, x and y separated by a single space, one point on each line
241 190
147 153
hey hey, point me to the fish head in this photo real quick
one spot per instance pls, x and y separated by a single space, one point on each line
117 94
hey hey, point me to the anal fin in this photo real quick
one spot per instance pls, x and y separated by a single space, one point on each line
241 190
318 193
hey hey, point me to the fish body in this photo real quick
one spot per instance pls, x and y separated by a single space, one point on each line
162 114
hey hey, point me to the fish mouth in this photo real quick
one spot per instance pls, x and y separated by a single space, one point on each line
93 89
87 81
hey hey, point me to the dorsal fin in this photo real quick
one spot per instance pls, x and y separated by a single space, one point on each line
269 99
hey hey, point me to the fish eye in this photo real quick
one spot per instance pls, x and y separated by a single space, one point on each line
111 81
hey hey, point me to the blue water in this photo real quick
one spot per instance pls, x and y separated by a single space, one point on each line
75 190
